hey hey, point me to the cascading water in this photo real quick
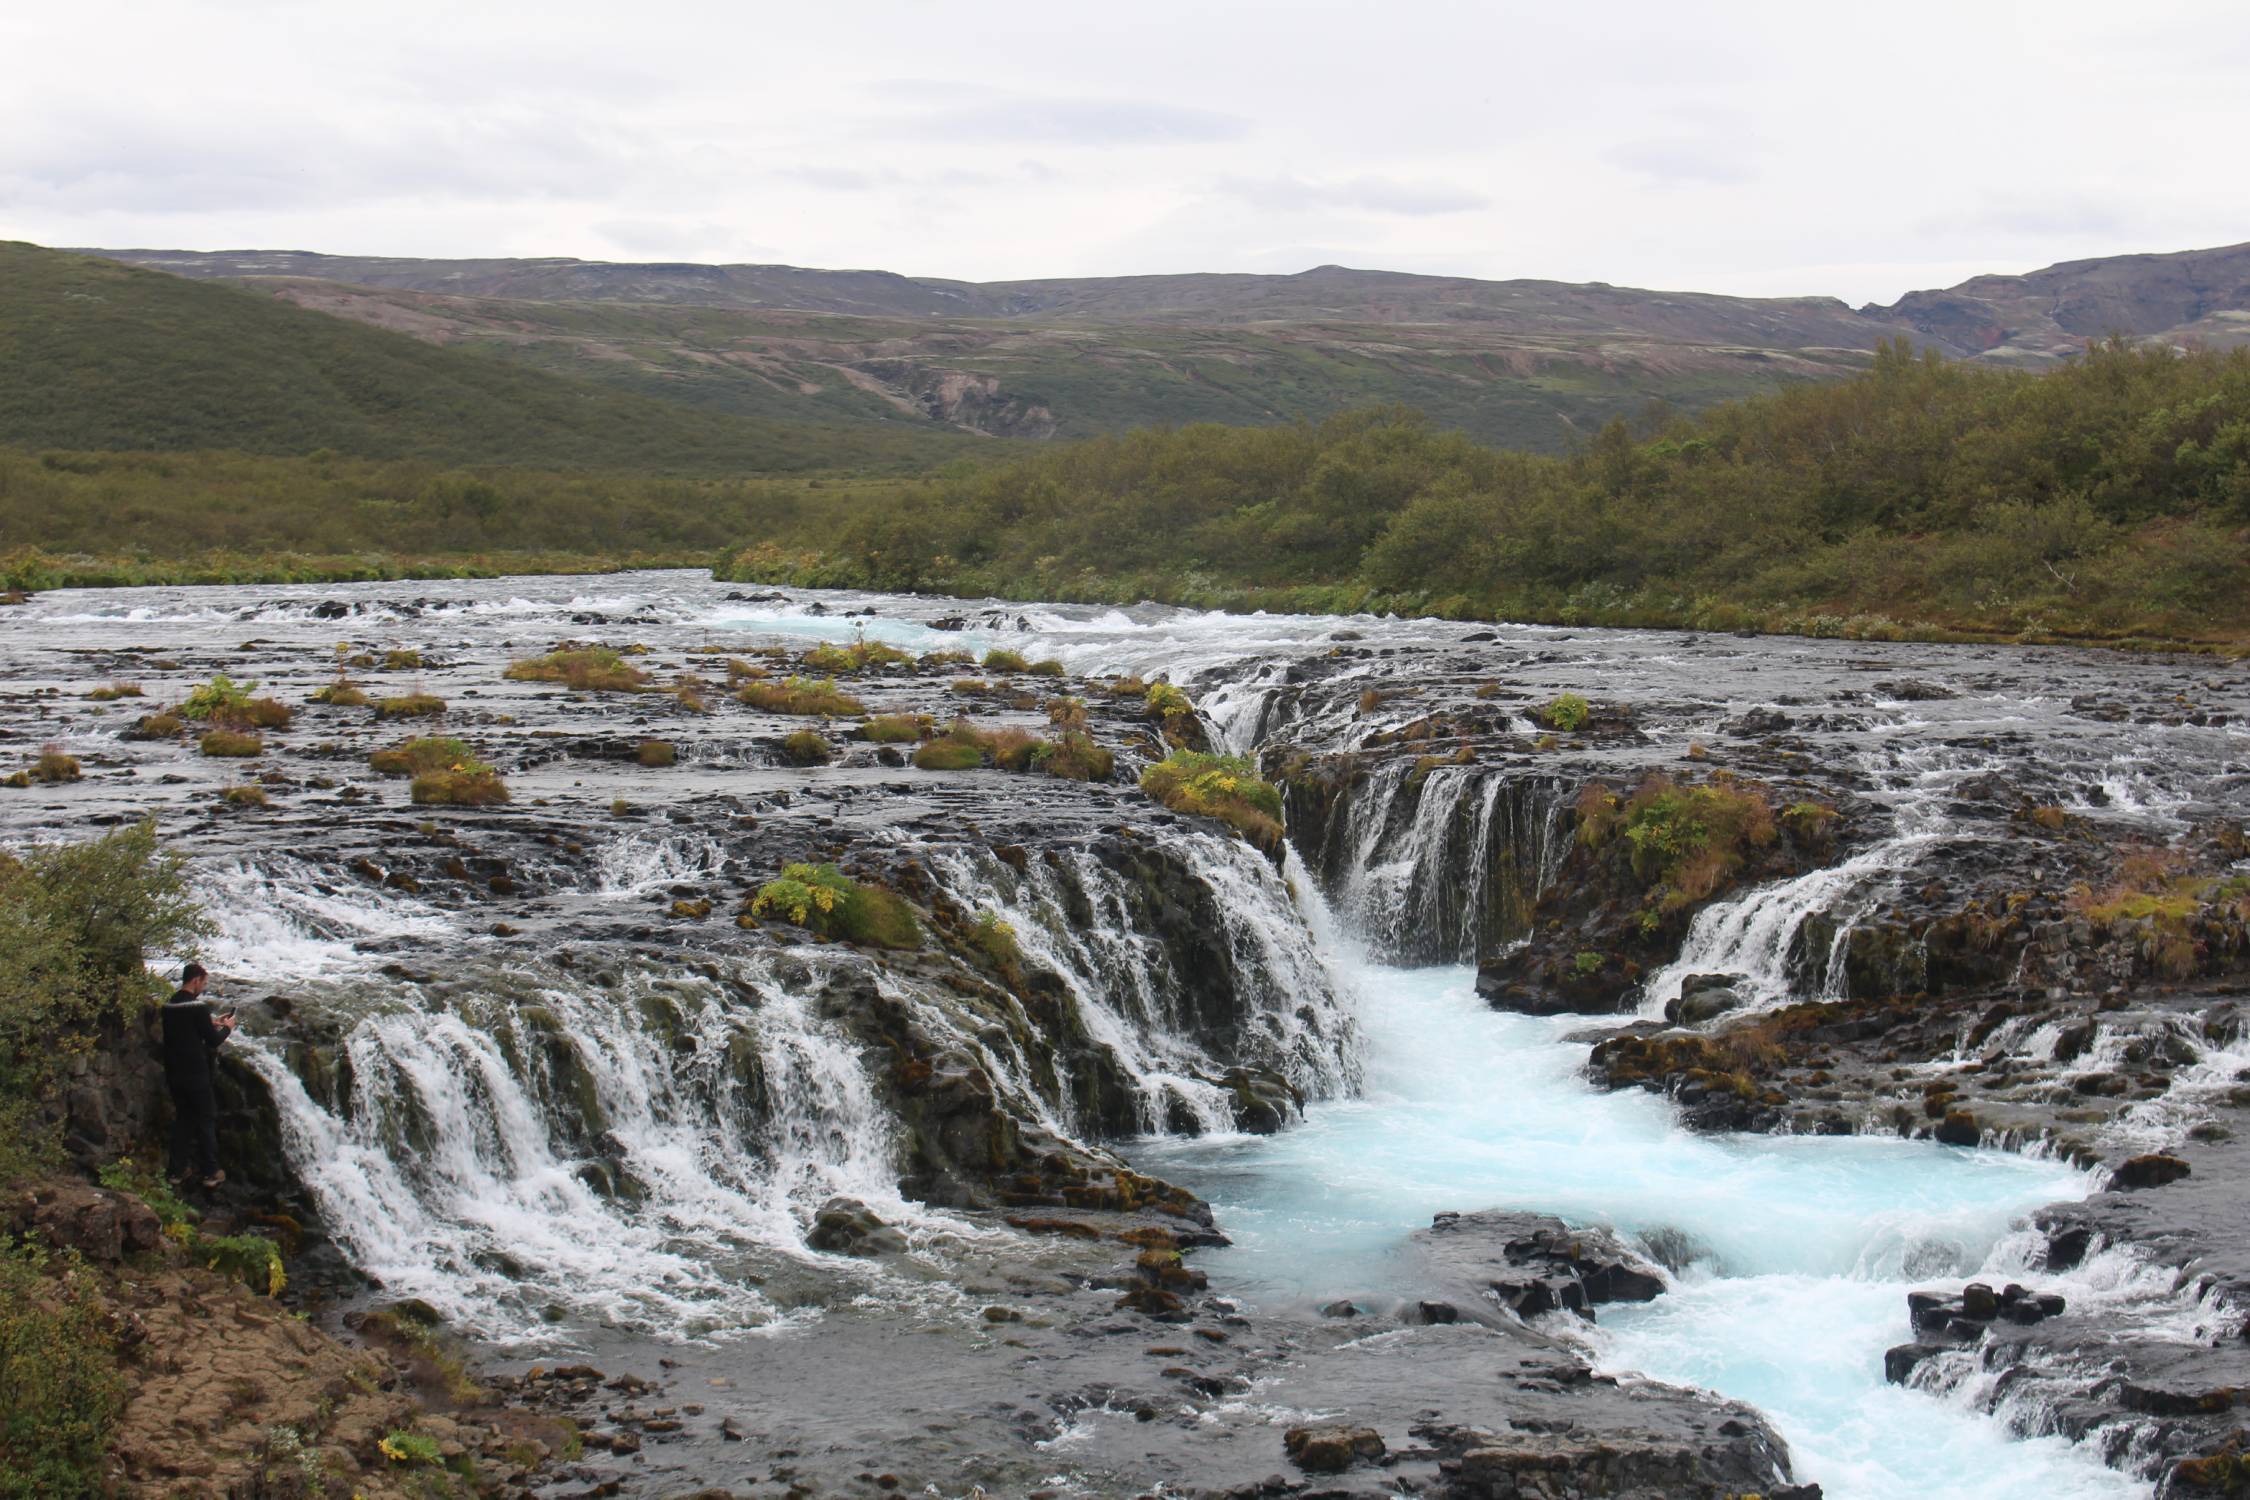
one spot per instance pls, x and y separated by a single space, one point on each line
1260 997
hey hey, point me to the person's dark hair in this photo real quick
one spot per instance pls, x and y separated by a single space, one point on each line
192 973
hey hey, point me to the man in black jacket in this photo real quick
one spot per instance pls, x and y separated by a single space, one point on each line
192 1035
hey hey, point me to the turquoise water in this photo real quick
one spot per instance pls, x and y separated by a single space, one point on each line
1805 1247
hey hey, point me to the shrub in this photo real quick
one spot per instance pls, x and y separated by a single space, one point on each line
462 781
1567 713
267 713
1048 668
158 726
691 692
110 692
410 1449
1074 757
243 796
938 660
1226 787
402 661
800 695
222 698
821 898
342 693
1166 702
60 1388
656 753
739 670
1067 713
894 729
583 669
251 1259
415 757
999 660
969 686
807 747
230 742
75 919
410 706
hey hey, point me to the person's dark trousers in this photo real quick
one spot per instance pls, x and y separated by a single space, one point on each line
195 1131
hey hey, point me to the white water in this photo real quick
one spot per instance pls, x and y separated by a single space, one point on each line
1809 1245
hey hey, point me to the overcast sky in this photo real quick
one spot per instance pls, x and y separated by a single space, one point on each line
1782 148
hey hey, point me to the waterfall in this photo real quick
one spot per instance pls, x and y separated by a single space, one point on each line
1439 864
523 1145
1171 1005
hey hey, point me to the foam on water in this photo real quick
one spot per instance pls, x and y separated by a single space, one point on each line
1807 1245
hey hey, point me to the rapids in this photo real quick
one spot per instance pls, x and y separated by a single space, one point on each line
584 1135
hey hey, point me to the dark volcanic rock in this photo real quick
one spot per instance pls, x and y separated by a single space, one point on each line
1529 1264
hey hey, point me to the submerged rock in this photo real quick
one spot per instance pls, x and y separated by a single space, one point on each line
846 1226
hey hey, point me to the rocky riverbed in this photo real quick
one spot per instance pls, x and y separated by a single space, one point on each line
833 1218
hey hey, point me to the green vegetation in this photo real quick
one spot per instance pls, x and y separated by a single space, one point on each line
823 899
857 657
75 920
54 766
419 756
410 706
231 743
110 692
999 660
807 747
995 938
342 693
800 695
895 729
467 782
1226 787
583 669
60 1388
249 795
656 753
1687 841
965 746
1567 713
2107 499
97 355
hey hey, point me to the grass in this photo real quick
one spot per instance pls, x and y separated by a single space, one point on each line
822 899
966 746
342 693
1226 787
158 726
807 747
1687 842
952 753
895 729
1073 756
856 657
61 1391
583 669
1001 660
800 695
402 661
53 766
417 756
110 692
467 782
656 753
410 706
251 795
231 743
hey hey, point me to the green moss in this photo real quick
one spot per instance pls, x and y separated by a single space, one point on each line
1226 787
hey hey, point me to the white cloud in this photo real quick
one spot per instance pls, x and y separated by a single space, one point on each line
1763 146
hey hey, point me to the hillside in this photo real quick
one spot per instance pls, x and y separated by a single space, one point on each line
99 355
1533 364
